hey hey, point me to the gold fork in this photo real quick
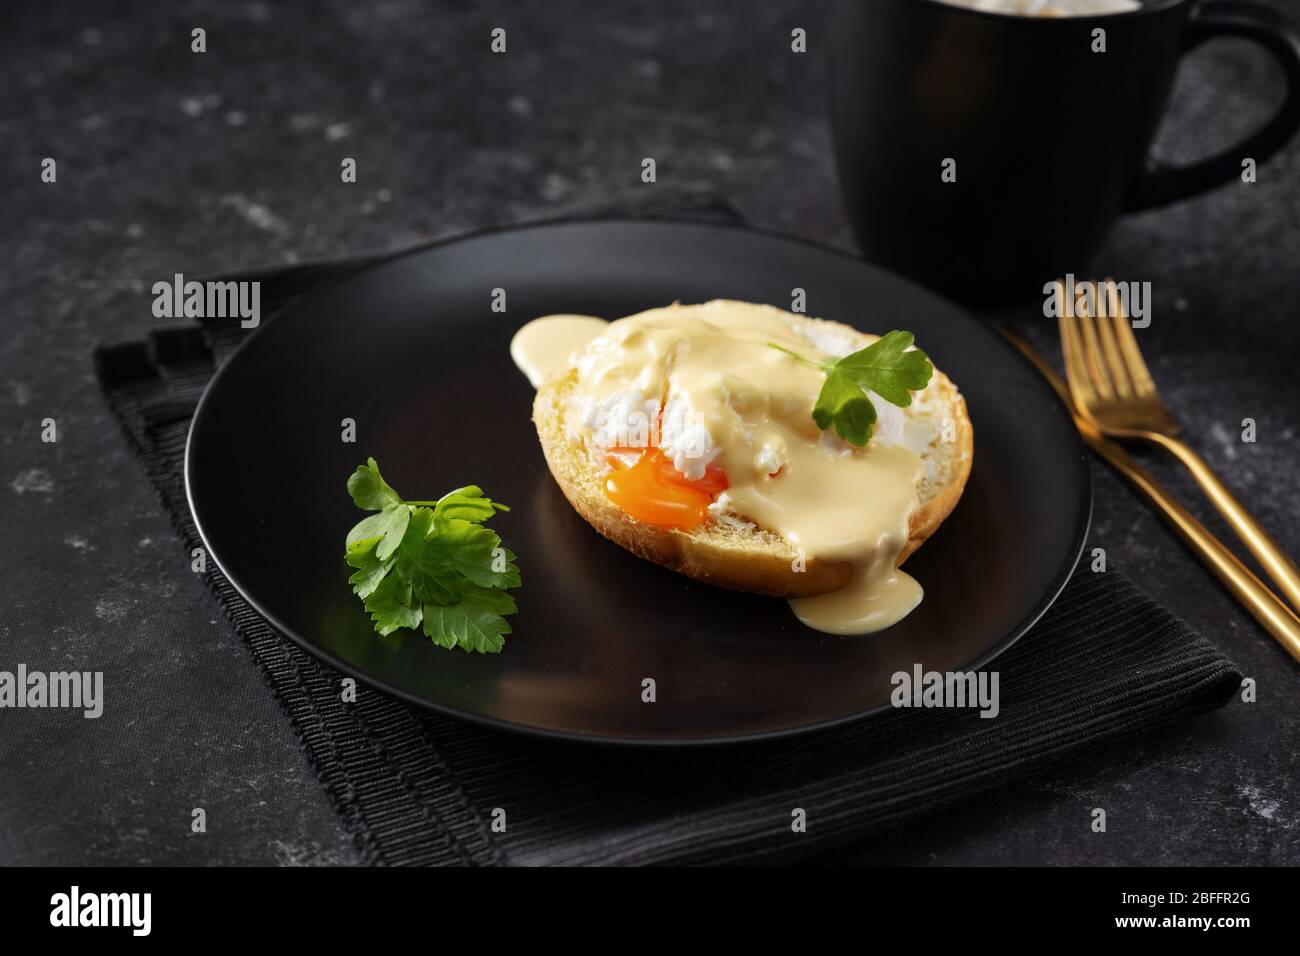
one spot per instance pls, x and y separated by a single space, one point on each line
1266 607
1113 388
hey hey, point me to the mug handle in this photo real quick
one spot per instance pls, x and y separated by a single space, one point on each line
1160 183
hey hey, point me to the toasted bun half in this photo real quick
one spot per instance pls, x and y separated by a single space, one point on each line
746 558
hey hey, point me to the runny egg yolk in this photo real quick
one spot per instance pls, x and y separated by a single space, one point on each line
653 491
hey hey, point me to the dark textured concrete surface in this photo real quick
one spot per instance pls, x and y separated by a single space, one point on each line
174 162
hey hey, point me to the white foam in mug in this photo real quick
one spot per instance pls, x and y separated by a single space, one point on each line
1050 8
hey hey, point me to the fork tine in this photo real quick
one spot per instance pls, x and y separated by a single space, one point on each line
1092 357
1107 308
1143 384
1076 370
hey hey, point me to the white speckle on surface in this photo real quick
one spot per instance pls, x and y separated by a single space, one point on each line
236 118
383 195
1260 804
78 542
195 106
292 854
134 230
304 122
286 854
1226 440
720 160
337 131
521 106
648 69
145 542
34 479
107 609
555 187
91 36
255 213
21 391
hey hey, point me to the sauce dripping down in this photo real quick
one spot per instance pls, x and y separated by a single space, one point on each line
545 345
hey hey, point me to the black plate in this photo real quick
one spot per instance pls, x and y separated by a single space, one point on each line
413 352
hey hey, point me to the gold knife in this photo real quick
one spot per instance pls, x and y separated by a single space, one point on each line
1265 606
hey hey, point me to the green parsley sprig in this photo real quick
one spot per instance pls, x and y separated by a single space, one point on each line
886 367
431 563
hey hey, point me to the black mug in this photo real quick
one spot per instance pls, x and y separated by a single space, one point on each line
985 154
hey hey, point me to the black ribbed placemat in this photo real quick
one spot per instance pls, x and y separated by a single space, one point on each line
1105 664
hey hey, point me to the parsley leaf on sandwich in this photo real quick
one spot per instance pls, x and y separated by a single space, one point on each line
889 367
431 563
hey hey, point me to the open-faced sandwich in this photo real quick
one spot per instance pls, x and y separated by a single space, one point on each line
754 449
